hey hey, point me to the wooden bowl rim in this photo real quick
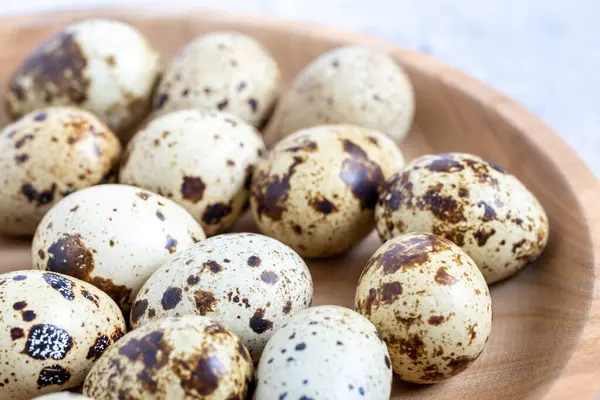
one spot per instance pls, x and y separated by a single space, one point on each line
580 370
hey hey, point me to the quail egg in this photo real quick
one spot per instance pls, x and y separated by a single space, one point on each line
325 352
203 160
104 66
317 189
113 236
251 283
52 329
472 202
349 85
224 71
175 358
429 302
45 156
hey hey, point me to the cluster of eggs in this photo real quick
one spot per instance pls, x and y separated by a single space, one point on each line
203 311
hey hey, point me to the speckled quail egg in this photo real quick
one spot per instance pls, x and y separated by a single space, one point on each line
45 156
113 236
251 283
225 71
104 66
175 358
203 160
350 85
325 352
317 189
52 329
63 396
472 202
430 303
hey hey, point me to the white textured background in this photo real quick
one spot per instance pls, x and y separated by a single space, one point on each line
543 53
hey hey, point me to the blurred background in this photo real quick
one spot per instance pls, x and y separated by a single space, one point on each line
543 53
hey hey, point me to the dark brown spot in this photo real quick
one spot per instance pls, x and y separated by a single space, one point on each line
445 163
214 266
46 341
363 177
353 149
298 229
61 284
199 376
258 324
143 195
55 70
16 333
97 349
271 191
111 243
269 277
192 280
306 145
253 261
222 104
70 256
42 198
151 313
119 293
389 292
161 100
322 205
110 61
152 351
463 192
171 244
160 215
483 236
489 213
253 104
410 252
138 310
171 297
230 163
412 346
28 315
442 277
287 307
459 364
19 305
74 208
386 359
214 213
516 246
53 375
192 188
518 221
205 301
445 208
21 158
20 142
435 319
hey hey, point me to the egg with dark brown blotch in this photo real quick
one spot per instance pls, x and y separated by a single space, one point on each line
317 189
201 159
472 202
222 71
113 236
52 329
252 283
325 352
429 302
47 155
104 66
175 358
355 85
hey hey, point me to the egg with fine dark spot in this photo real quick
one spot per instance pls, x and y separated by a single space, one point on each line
106 67
52 329
325 352
201 159
429 302
223 71
349 85
113 236
252 283
317 189
472 202
47 155
175 358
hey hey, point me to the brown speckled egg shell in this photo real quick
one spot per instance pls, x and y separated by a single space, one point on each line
224 71
201 159
52 329
317 190
349 85
47 155
175 358
430 303
104 66
472 202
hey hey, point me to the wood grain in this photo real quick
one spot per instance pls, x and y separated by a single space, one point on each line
546 331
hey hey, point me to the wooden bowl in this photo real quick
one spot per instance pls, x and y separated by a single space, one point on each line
546 331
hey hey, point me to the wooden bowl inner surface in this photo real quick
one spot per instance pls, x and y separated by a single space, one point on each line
538 314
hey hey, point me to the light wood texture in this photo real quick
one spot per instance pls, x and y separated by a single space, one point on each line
546 331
